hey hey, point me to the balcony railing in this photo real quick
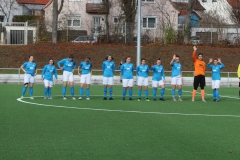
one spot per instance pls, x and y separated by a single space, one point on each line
97 8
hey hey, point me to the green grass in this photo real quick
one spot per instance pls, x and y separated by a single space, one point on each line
113 130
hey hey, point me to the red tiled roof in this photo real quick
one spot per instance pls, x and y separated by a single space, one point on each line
32 1
234 3
184 12
182 6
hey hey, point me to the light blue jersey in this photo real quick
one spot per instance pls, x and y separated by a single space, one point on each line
86 67
67 65
142 70
158 73
30 67
48 71
108 68
176 69
127 70
216 70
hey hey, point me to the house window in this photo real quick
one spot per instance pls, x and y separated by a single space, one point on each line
204 0
115 20
97 25
74 21
1 18
148 1
149 22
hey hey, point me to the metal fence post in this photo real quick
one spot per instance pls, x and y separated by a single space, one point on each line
228 80
26 33
19 75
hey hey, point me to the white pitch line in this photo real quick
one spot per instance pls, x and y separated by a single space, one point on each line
208 94
122 111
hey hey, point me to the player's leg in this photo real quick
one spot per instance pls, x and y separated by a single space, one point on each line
140 83
45 88
196 82
213 90
65 82
31 86
50 85
110 86
217 86
124 91
82 83
173 83
202 85
71 83
161 83
130 84
88 83
145 83
154 85
179 83
105 82
26 82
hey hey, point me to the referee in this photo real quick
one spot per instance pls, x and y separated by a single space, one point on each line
199 73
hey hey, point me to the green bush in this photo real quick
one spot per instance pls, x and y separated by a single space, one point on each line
25 18
170 35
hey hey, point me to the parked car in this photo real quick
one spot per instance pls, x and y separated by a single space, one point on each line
85 39
195 40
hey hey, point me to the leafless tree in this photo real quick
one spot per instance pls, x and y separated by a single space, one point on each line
56 12
129 8
7 7
190 5
167 20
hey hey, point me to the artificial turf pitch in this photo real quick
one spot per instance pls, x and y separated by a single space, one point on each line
98 129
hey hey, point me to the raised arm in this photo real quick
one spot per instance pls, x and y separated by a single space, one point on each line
209 65
194 54
221 64
171 63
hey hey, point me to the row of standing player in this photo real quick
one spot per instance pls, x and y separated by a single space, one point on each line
68 65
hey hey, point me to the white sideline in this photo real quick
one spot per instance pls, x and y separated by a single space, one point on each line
122 111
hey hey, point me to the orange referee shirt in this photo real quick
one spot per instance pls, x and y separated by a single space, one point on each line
199 66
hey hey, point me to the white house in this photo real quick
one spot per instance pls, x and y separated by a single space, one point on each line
9 8
91 16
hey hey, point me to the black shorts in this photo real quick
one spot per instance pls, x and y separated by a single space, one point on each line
199 80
